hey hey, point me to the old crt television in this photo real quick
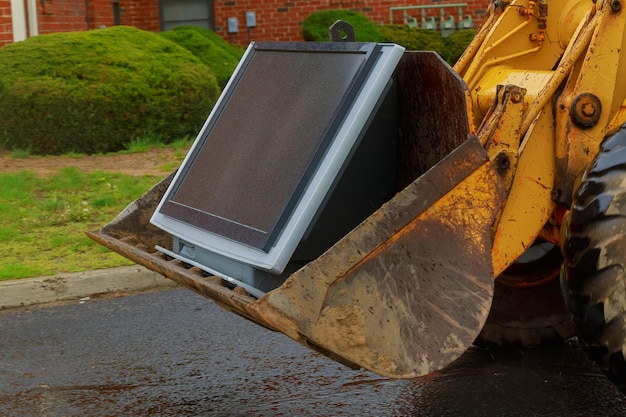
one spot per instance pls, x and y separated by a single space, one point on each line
297 151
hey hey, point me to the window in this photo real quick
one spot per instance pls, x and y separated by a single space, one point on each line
186 13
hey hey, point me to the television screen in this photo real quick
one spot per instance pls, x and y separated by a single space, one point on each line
270 150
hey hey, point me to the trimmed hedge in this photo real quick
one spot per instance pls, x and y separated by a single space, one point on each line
456 43
413 39
209 47
315 26
96 91
450 48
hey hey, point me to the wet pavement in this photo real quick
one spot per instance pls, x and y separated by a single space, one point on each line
174 353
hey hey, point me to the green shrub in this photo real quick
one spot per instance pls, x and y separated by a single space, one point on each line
209 47
456 44
315 26
96 91
414 39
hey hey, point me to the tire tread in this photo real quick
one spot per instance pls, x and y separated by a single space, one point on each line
595 258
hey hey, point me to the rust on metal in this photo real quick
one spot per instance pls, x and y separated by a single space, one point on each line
586 110
133 223
406 292
433 118
184 275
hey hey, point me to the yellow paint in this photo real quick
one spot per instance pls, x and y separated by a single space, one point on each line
580 54
531 81
529 205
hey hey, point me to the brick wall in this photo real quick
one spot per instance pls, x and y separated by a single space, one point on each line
142 14
61 16
282 20
72 15
99 14
6 27
276 20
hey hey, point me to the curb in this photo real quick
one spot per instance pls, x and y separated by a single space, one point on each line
71 286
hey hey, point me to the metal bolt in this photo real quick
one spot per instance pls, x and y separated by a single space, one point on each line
586 110
616 5
503 161
555 194
516 94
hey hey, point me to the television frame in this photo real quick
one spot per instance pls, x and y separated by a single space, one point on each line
228 256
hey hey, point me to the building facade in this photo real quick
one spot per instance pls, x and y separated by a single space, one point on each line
239 21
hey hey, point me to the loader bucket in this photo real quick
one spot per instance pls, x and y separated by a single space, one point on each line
407 290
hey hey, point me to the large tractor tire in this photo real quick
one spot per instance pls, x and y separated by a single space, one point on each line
594 248
527 307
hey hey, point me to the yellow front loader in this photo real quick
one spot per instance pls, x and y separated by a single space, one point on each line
506 165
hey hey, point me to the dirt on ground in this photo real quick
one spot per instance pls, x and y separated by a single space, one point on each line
157 161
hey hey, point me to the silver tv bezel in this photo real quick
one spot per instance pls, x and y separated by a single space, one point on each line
320 182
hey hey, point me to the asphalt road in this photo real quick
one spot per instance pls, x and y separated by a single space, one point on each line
174 353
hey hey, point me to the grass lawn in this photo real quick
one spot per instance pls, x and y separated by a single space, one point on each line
44 219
